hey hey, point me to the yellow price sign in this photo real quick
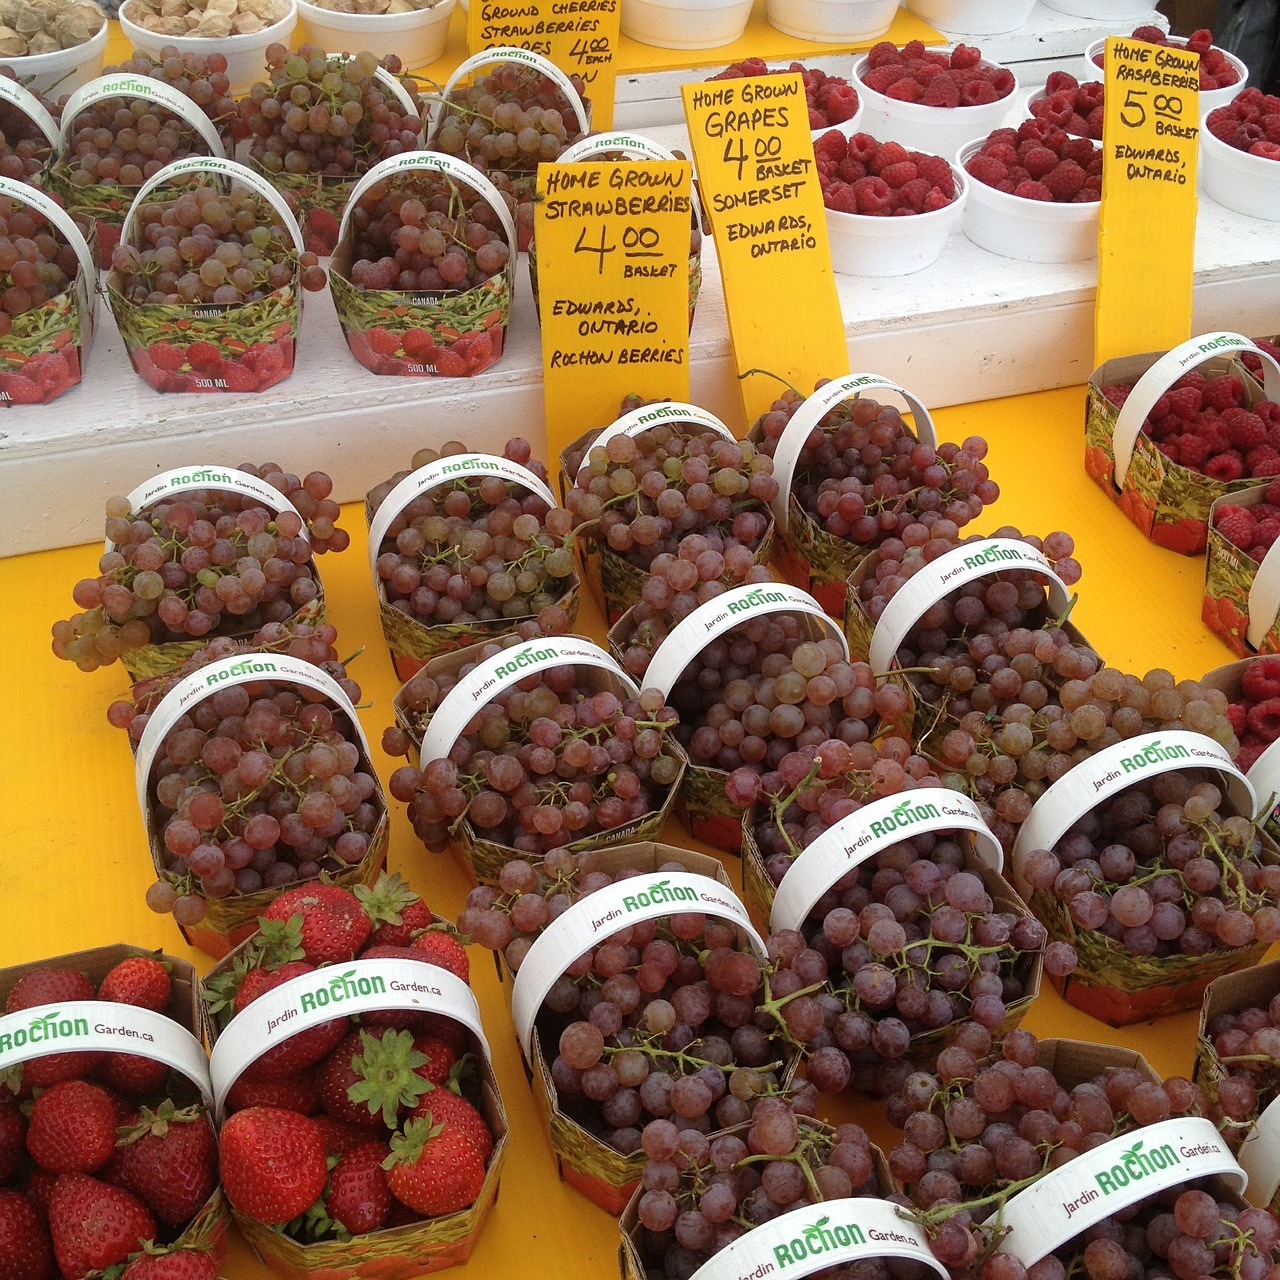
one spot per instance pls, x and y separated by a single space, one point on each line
760 188
1146 238
579 36
612 249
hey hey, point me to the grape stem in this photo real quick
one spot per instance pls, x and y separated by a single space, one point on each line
768 373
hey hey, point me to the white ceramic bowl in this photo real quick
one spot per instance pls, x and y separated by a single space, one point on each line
1209 101
1102 10
831 21
246 55
63 71
1028 230
848 127
685 24
416 38
973 17
937 130
1236 180
883 247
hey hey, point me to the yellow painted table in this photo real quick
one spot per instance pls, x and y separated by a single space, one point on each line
75 864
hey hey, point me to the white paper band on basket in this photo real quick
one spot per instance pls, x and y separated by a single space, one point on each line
77 1026
1069 1200
481 685
1264 777
1164 373
226 673
230 170
940 577
337 991
127 85
32 107
629 144
814 409
651 415
186 479
600 915
457 466
433 162
731 608
526 57
33 198
817 1236
1113 769
884 822
1260 1156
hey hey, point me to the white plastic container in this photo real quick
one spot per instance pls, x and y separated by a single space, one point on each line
685 24
65 70
1101 10
936 130
246 55
881 247
1236 180
1027 230
831 21
1209 101
416 38
973 17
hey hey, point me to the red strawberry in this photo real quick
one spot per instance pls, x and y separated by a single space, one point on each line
38 1188
336 1076
13 1144
139 980
445 950
372 1077
338 1136
440 1057
72 1128
295 1093
434 1169
133 1075
50 985
394 910
94 1226
26 1252
441 1105
334 924
169 1158
273 1164
175 1264
357 1197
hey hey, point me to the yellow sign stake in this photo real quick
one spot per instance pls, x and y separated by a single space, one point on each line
612 245
582 43
1146 242
760 187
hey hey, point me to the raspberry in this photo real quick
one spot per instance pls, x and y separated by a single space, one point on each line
1264 719
1258 458
936 171
1223 392
1236 525
1265 150
1184 401
883 54
898 175
839 196
1033 191
964 56
887 155
1272 494
831 146
1268 532
1081 150
904 91
1065 180
1117 394
238 378
1200 41
881 79
1038 161
1246 430
1061 81
1171 451
1057 110
863 147
872 195
1265 470
914 49
941 93
850 170
935 200
1152 35
1224 467
201 355
977 93
912 195
1003 82
1261 679
1193 449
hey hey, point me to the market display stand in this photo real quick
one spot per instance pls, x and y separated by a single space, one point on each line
76 866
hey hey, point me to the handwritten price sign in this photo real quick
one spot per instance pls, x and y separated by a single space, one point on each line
1146 241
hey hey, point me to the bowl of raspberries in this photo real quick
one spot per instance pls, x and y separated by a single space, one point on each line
973 17
889 210
1034 194
1222 74
1240 155
930 98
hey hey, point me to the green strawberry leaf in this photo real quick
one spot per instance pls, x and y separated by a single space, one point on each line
389 1077
386 898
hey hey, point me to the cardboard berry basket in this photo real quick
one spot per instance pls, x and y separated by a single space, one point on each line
483 859
1264 773
803 1240
205 347
629 146
345 990
454 334
1258 1146
44 352
174 1037
107 204
852 841
321 199
1241 595
411 642
878 642
711 815
808 555
602 1174
1170 503
613 579
228 921
1110 982
166 657
434 115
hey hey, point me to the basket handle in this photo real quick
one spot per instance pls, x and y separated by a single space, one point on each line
31 106
35 199
633 145
506 53
133 86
